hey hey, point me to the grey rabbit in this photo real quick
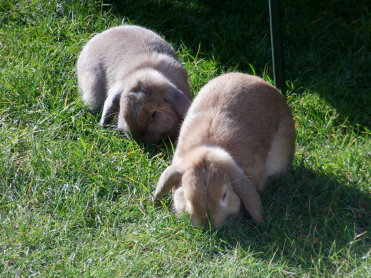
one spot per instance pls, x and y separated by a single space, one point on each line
132 73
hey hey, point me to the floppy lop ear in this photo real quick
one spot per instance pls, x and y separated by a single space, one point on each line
179 101
170 177
249 196
111 104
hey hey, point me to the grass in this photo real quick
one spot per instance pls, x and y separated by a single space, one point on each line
75 199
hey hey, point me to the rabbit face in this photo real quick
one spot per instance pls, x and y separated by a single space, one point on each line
145 119
209 185
150 106
210 199
205 191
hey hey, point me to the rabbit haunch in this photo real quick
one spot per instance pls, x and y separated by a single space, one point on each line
133 73
238 134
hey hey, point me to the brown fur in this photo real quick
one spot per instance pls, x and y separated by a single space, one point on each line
132 70
241 131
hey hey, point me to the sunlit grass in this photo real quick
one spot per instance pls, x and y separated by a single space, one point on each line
76 199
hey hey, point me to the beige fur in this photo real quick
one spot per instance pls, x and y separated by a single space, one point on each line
238 133
133 73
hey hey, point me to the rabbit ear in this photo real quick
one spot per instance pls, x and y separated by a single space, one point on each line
179 101
249 196
111 104
170 177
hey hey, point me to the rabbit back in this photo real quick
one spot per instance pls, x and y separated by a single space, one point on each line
114 54
248 118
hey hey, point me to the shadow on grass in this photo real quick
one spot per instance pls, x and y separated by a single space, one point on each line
327 46
312 220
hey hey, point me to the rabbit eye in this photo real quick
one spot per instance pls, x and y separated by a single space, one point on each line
153 114
224 196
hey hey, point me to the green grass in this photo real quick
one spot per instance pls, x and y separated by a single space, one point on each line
75 198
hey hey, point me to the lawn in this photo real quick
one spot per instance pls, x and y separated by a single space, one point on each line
75 198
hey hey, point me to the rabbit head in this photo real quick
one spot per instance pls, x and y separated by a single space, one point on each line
209 185
149 107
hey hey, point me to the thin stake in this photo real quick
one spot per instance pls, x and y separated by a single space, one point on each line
277 45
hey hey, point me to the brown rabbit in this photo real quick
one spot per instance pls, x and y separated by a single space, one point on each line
238 133
131 72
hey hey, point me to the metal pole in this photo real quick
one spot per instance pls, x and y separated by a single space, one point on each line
277 45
